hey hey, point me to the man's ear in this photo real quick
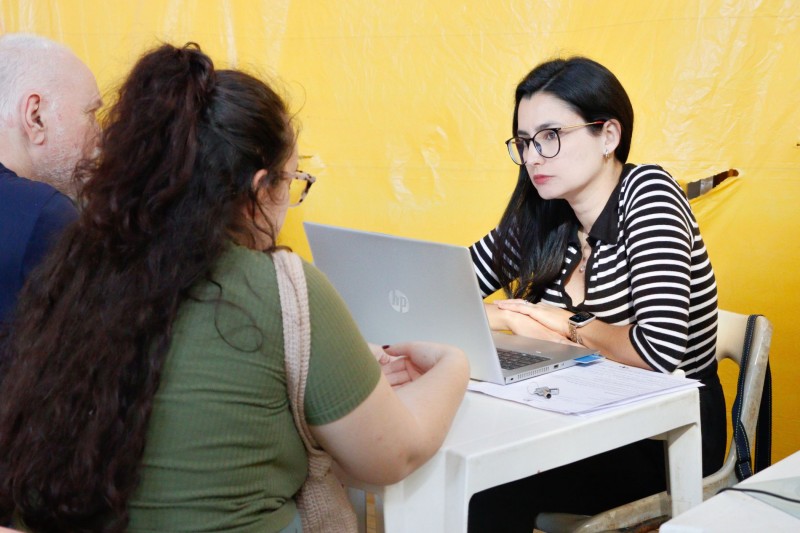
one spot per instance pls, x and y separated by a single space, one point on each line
32 121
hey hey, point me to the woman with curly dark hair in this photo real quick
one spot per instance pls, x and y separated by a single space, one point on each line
147 389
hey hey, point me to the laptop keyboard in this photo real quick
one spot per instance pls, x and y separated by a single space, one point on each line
509 359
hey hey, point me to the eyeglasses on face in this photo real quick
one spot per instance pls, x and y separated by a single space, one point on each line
546 141
299 186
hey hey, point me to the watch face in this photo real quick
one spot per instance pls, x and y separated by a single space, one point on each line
581 318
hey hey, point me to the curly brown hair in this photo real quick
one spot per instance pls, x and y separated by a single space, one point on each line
181 145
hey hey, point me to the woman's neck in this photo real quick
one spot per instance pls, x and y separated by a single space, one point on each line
589 203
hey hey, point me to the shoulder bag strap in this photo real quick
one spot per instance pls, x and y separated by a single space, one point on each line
322 501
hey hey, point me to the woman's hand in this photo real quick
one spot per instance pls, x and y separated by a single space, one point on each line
398 370
409 360
380 355
540 321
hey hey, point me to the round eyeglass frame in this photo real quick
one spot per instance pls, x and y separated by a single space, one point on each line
517 155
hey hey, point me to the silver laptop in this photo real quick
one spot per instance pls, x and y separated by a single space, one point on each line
400 289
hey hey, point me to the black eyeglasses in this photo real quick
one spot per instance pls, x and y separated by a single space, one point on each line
547 142
299 186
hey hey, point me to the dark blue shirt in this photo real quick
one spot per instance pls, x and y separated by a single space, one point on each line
32 214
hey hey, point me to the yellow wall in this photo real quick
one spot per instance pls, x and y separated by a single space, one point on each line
404 107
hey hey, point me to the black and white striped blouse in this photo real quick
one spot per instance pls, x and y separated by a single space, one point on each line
649 267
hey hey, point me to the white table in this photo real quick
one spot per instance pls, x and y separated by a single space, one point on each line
739 512
494 441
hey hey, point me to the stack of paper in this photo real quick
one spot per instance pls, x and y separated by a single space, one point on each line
585 389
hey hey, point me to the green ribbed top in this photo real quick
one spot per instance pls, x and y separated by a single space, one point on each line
222 451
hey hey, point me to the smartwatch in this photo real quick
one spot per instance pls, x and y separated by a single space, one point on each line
578 320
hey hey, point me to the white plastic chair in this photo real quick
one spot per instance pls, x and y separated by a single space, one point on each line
656 508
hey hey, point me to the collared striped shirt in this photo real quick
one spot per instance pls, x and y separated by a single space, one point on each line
648 267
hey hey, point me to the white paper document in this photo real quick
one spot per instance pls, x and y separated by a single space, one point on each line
584 389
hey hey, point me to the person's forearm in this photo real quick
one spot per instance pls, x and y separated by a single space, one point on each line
547 322
496 317
520 324
611 341
433 399
395 430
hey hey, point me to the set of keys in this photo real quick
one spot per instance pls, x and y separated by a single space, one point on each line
547 392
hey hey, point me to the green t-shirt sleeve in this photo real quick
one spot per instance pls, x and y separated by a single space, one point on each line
342 370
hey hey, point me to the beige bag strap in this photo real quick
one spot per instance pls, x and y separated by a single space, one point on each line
322 501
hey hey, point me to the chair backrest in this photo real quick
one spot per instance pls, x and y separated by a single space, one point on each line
730 345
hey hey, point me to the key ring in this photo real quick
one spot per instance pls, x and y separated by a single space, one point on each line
535 390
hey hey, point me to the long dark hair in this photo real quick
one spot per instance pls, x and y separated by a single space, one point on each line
180 148
534 232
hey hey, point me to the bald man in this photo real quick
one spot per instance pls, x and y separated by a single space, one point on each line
48 102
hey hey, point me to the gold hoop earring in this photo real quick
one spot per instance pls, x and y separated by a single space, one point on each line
606 155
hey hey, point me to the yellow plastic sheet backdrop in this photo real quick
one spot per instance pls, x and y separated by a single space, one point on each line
404 107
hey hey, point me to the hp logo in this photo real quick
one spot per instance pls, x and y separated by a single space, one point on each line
398 301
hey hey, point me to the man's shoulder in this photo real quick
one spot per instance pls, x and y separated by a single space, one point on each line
17 187
17 192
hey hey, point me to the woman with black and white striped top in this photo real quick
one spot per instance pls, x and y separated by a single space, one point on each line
597 251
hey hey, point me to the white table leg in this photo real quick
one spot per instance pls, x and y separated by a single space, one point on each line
685 468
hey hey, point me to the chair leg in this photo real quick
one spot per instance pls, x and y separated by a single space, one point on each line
358 499
559 522
647 526
574 523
